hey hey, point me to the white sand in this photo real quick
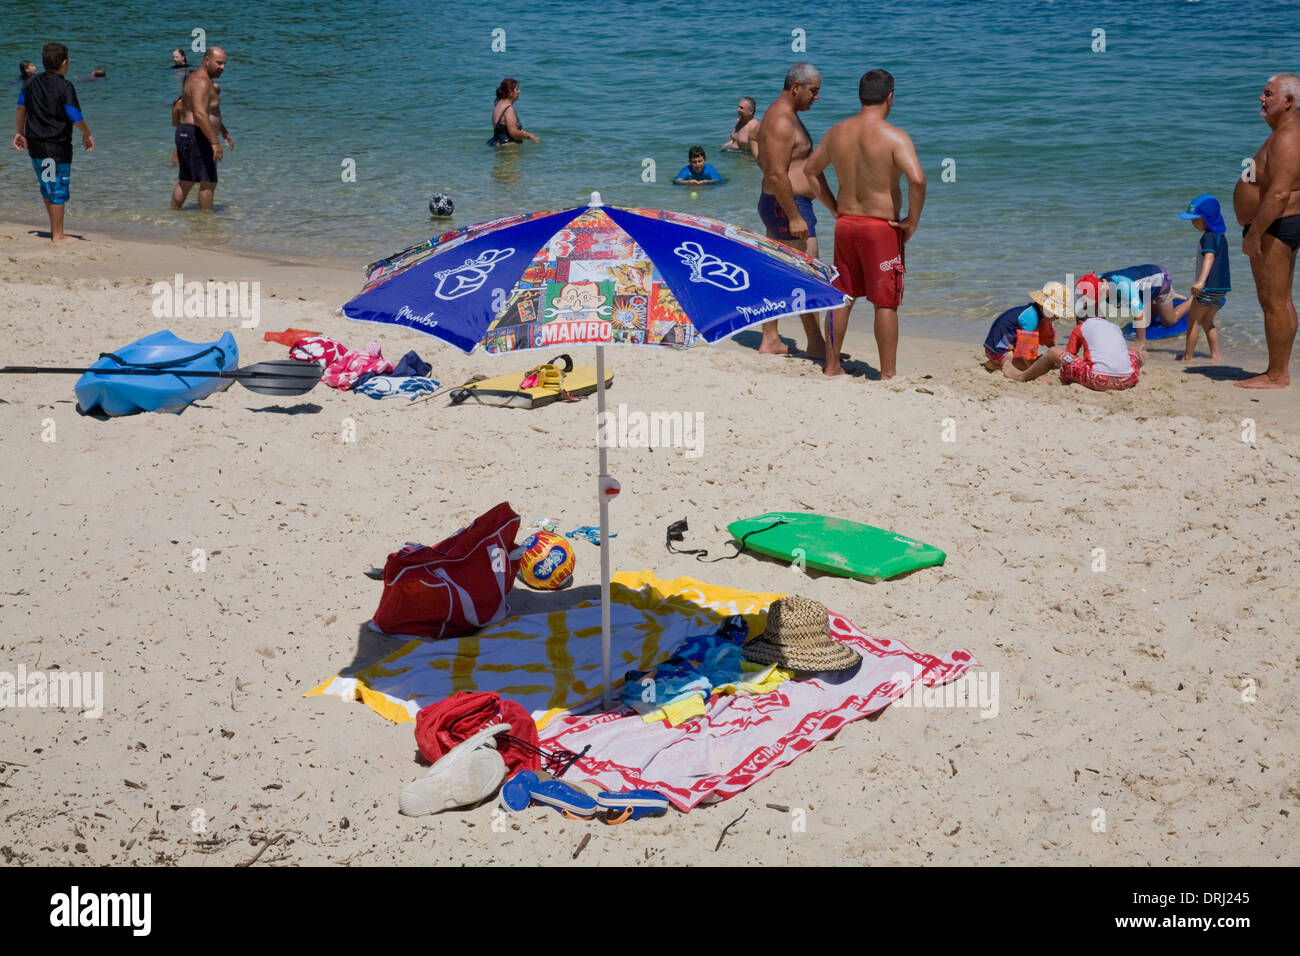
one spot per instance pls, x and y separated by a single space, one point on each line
1120 691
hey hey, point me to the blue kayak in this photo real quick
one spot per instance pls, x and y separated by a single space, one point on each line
128 394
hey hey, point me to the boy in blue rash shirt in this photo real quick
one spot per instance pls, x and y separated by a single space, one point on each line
697 172
1212 283
47 111
1148 292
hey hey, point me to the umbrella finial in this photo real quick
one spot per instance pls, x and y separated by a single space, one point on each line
595 202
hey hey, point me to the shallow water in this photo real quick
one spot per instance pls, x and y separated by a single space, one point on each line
1065 159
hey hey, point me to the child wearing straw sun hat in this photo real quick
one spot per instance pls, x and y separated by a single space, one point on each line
1018 333
1052 302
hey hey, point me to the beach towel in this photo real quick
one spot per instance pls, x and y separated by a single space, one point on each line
390 386
742 739
551 660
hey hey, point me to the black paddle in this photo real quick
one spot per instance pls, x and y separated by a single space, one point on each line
279 377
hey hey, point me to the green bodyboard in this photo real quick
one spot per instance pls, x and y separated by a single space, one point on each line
836 546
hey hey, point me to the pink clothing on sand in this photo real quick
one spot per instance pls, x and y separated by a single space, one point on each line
344 371
321 349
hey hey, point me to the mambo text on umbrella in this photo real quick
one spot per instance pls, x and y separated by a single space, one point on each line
595 331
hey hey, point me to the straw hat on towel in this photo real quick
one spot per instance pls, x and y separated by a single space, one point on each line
798 638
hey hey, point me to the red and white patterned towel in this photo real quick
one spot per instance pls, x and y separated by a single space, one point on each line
743 738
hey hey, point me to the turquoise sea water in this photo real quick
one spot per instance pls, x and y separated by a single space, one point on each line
1066 159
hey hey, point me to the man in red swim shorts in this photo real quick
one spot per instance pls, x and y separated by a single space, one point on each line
869 156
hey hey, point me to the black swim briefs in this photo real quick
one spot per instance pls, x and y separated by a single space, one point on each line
1286 228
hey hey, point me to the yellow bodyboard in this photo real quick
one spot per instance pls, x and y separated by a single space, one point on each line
505 390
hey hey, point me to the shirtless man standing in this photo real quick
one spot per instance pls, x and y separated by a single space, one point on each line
869 155
1269 211
788 189
198 149
742 134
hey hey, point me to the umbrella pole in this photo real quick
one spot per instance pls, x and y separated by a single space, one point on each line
603 500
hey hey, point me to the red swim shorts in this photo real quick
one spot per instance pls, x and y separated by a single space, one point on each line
1075 369
869 257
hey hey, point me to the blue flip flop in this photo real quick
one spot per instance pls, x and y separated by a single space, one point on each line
517 793
566 798
631 805
527 787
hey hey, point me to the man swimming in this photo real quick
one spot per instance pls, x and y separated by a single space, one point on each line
785 205
1269 211
742 134
869 155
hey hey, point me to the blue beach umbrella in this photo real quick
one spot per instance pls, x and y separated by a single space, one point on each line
593 275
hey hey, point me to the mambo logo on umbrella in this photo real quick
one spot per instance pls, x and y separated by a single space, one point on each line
469 276
767 308
405 314
706 267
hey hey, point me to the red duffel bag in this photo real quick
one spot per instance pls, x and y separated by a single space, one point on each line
443 725
455 587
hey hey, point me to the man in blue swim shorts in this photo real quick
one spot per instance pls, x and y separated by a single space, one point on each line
47 111
776 222
785 205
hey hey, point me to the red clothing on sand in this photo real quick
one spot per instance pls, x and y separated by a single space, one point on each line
1075 369
869 257
289 337
443 725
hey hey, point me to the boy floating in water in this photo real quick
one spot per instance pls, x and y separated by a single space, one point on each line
697 171
1212 284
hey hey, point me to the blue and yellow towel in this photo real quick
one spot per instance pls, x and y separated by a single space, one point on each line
551 660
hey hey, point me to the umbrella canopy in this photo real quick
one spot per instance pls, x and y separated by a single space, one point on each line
594 275
598 275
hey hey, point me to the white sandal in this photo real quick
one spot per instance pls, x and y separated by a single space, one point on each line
466 774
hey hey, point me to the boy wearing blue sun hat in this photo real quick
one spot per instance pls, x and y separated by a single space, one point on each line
1212 283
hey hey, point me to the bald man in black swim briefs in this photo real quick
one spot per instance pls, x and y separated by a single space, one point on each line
1269 209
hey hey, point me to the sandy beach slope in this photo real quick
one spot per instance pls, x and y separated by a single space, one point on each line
1160 692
